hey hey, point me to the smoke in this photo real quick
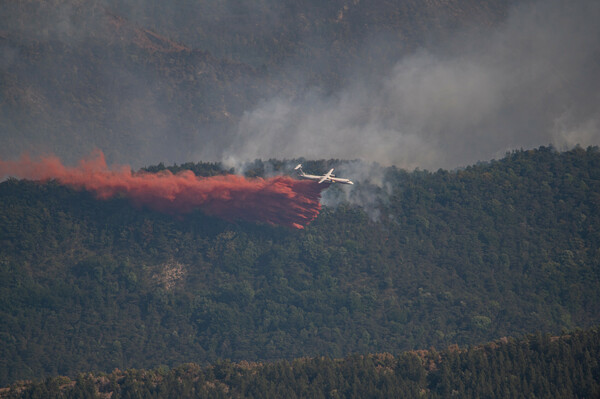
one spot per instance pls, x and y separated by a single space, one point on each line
278 200
396 88
371 187
531 80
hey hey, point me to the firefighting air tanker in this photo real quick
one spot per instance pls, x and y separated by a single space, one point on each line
328 177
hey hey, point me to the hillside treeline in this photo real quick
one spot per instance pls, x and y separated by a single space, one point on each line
536 366
498 249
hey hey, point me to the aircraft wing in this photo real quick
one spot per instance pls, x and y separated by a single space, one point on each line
326 176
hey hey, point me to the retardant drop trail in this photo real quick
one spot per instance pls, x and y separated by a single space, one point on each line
278 200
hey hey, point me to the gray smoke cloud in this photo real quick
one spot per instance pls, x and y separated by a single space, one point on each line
66 87
531 80
371 189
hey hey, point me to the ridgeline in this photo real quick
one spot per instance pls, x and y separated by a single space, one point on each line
534 366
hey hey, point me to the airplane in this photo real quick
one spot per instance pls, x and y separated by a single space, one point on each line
328 177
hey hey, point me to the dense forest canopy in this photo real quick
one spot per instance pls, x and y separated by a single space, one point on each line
501 248
533 366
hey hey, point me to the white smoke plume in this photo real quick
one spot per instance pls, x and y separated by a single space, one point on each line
370 189
532 80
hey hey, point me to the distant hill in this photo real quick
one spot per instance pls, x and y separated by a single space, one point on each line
533 366
161 80
111 84
501 248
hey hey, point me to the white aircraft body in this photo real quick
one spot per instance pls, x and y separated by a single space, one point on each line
328 177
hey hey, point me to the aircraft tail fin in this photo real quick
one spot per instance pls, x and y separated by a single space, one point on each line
298 168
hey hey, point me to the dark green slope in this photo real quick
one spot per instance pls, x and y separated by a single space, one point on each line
502 248
534 366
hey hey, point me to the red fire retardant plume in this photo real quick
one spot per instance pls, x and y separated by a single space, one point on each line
278 200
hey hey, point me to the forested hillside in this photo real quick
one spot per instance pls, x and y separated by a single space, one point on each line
534 366
453 257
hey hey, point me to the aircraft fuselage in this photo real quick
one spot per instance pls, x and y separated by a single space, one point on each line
329 177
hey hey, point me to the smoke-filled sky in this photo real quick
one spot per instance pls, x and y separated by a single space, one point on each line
531 79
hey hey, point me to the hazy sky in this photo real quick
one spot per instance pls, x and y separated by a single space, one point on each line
533 80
